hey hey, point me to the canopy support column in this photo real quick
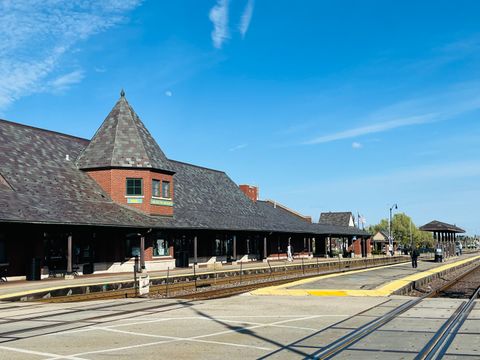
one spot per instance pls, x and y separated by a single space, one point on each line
235 247
265 247
142 252
195 250
69 254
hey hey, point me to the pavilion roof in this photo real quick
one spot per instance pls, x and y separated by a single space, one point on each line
439 226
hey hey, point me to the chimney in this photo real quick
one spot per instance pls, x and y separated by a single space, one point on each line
250 191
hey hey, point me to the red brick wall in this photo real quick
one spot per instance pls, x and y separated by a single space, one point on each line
113 182
250 191
357 247
103 178
148 253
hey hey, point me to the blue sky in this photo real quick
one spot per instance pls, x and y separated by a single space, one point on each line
325 105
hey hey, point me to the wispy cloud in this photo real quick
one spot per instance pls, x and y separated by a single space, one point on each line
458 100
37 34
238 147
445 55
219 17
168 93
100 69
246 18
372 129
444 174
356 145
64 82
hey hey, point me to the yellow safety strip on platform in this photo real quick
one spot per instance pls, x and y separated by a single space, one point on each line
384 290
110 282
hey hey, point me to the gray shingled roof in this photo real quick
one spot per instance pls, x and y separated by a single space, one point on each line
329 229
279 219
123 141
45 187
335 218
209 199
436 225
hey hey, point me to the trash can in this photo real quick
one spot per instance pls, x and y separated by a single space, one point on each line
34 269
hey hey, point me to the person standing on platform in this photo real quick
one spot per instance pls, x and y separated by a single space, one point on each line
414 256
289 253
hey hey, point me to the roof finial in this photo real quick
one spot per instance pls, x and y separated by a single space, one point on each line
122 93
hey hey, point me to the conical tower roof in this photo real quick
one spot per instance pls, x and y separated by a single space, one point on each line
123 141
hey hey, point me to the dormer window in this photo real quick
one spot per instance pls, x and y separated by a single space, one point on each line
134 187
161 189
156 188
166 190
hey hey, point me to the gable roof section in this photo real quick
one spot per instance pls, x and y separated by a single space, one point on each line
336 218
381 235
334 230
278 218
291 211
123 141
209 199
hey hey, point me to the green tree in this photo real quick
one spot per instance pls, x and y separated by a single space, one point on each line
404 231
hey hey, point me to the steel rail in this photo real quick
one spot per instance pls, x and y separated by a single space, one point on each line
454 281
442 339
344 342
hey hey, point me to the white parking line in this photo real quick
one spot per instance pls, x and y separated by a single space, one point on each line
132 322
31 352
256 323
254 327
198 338
183 339
194 339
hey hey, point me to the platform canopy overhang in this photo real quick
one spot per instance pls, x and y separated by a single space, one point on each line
441 227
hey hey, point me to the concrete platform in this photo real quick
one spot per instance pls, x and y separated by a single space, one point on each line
241 327
381 281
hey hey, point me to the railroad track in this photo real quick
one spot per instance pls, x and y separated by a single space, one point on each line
434 349
440 342
203 288
464 285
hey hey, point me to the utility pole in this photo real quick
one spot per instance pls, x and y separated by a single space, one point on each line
411 236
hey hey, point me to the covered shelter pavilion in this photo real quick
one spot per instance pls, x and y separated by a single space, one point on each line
444 234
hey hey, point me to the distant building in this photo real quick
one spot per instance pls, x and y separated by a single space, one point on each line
380 241
337 218
359 246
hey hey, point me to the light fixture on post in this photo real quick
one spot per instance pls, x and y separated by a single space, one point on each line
390 238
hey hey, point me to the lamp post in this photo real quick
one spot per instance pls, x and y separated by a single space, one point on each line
390 239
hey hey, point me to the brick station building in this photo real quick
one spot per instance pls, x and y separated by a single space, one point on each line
71 204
